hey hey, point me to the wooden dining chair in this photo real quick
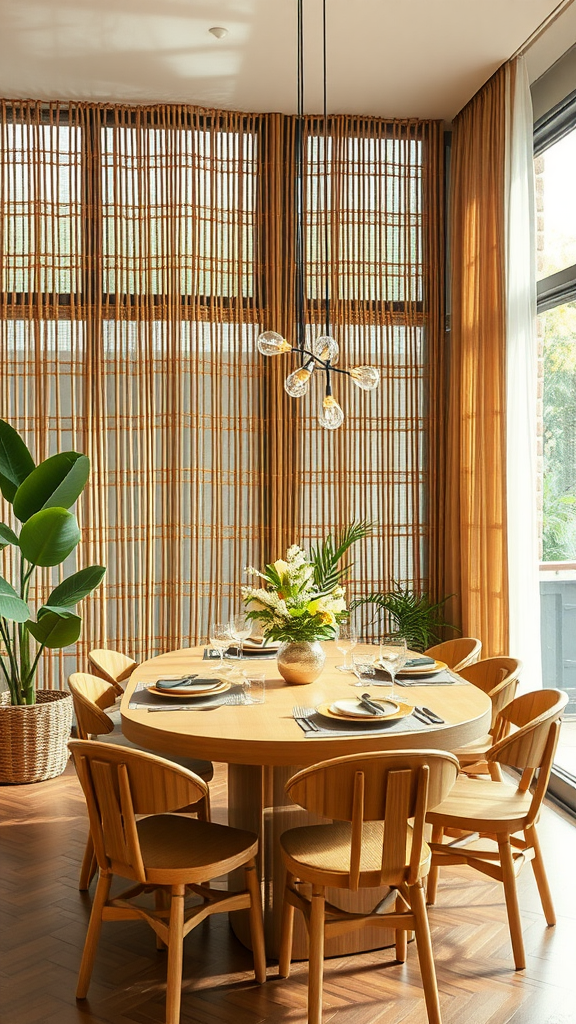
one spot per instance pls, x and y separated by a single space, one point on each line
494 823
457 654
498 678
113 666
172 855
371 842
93 700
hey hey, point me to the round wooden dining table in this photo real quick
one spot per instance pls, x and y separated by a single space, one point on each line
263 746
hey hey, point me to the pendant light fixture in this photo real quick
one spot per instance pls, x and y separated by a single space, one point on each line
325 352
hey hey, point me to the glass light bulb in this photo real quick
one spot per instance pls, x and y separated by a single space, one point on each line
331 416
366 377
296 384
272 344
327 348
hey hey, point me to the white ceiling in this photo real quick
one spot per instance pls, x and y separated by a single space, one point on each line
421 58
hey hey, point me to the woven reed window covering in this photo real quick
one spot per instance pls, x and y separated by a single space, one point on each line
142 251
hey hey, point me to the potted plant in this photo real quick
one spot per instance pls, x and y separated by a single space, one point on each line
35 723
302 601
415 617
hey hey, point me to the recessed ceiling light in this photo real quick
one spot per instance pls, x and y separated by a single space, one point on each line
218 32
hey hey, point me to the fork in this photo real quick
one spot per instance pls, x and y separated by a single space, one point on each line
303 715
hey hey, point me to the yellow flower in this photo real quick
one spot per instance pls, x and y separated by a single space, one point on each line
281 566
327 618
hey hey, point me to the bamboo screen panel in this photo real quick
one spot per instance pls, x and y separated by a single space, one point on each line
142 251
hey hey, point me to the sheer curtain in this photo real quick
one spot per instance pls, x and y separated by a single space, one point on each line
143 250
521 373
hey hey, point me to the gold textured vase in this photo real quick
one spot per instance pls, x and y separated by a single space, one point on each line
301 661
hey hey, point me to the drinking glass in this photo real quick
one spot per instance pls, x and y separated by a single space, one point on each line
363 666
239 629
345 642
255 687
393 655
220 640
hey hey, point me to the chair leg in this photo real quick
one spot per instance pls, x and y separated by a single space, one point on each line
160 903
425 954
432 885
401 936
92 935
256 923
316 957
511 896
495 771
89 865
286 931
175 953
541 878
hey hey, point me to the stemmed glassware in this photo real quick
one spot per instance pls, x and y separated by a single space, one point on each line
345 642
363 666
240 629
393 655
220 640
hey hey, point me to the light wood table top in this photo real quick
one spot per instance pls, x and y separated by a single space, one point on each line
266 734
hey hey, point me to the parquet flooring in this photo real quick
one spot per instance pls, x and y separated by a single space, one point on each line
43 923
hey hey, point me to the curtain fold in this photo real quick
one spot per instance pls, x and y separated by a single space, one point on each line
476 563
143 250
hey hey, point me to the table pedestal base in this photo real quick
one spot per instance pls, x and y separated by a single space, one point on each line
257 802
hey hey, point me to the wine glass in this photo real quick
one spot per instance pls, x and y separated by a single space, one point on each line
220 640
346 642
393 655
239 629
363 666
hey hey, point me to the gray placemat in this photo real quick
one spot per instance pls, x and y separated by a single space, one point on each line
143 700
264 655
327 727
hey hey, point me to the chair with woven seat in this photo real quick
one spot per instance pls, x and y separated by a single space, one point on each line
172 855
458 653
372 842
498 678
113 666
93 700
495 822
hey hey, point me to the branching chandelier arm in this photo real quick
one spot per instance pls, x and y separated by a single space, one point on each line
326 351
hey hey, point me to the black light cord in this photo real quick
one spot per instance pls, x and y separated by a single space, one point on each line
326 222
300 184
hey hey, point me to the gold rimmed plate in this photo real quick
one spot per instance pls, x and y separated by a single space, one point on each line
423 670
325 710
221 685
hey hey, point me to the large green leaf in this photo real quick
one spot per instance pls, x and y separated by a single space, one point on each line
55 483
49 536
55 627
7 536
76 587
16 463
11 606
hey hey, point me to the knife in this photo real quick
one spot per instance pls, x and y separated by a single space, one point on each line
433 716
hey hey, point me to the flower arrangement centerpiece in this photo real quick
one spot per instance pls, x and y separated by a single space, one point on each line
302 599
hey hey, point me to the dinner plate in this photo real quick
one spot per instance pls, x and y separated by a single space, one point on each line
354 709
220 686
253 645
325 710
425 670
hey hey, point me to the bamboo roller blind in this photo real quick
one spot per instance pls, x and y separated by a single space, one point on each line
142 252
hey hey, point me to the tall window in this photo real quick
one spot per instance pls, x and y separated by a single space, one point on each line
142 251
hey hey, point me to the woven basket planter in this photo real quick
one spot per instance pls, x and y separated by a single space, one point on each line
34 738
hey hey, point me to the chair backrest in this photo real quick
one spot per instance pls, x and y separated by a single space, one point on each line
112 665
498 678
457 654
118 784
389 786
91 697
535 720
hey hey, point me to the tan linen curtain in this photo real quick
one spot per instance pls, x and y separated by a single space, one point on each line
143 251
476 556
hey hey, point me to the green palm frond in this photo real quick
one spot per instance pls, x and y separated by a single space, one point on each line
328 573
414 616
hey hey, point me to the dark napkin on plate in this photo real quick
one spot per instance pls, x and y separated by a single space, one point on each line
419 662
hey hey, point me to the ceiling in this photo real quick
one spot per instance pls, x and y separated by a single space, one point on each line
402 58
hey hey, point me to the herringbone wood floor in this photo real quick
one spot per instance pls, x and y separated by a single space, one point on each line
42 835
